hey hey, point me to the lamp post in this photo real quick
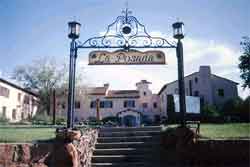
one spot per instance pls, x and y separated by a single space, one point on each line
98 110
179 34
74 33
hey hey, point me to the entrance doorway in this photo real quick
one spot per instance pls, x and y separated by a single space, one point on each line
129 120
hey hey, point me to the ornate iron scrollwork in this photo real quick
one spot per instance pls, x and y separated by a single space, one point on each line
126 32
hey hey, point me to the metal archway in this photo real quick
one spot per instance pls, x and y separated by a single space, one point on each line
126 33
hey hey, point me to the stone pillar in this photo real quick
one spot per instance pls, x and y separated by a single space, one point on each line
65 154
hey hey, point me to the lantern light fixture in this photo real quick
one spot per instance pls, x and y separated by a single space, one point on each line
178 29
74 30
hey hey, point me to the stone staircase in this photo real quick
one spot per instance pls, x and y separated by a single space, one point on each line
127 147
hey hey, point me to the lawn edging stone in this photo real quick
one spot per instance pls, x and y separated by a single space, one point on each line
47 153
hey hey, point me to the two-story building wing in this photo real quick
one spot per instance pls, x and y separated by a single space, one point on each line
212 89
16 103
140 103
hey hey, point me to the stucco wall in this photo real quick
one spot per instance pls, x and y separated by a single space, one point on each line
230 90
84 112
13 103
206 84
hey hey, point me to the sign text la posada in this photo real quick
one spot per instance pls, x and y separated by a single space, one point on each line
123 57
126 34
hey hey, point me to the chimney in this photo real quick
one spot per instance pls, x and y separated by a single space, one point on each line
106 85
205 70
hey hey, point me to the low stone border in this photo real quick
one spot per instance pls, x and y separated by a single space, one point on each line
181 147
49 154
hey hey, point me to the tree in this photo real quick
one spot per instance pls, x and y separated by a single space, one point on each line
232 107
42 76
209 111
245 62
245 109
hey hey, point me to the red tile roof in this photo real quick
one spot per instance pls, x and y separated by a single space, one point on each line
97 90
19 87
123 94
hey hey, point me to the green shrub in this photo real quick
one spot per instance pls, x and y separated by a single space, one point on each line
209 111
22 122
244 110
61 121
41 119
110 119
232 107
245 107
4 120
172 117
92 121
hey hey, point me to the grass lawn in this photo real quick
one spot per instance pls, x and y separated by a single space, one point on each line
25 134
29 134
229 130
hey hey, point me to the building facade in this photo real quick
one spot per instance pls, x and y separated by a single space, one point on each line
102 102
212 89
16 103
133 107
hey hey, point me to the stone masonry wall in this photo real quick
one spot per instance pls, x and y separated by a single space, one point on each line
207 152
47 154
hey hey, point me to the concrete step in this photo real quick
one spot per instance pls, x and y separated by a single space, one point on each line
129 129
127 145
120 158
132 133
128 139
132 164
123 151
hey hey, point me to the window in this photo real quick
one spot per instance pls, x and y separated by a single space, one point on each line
144 93
77 104
14 114
196 80
129 103
190 88
221 92
106 104
4 112
93 104
4 91
144 105
196 93
26 100
19 96
63 105
34 102
22 115
102 103
155 105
